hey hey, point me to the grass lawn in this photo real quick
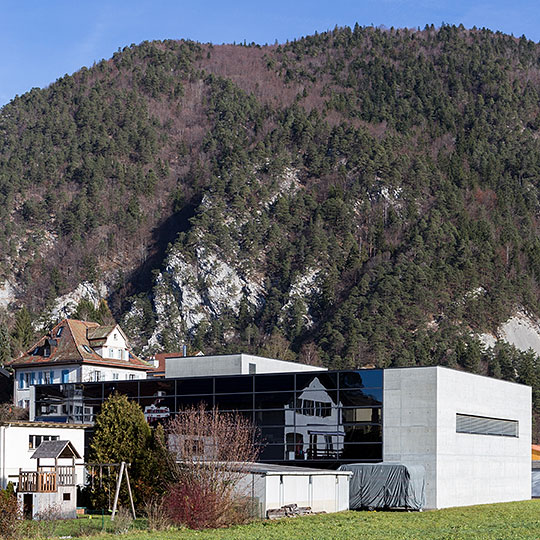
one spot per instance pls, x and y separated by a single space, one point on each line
519 521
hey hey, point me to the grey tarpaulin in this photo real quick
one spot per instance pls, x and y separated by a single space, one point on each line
386 485
535 480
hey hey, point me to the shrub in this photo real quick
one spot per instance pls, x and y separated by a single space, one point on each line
10 515
123 521
157 514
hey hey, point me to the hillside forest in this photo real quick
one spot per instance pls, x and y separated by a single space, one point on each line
360 197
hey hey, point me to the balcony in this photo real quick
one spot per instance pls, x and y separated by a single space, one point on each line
46 479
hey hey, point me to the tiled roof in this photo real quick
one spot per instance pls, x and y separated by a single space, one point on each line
100 332
72 347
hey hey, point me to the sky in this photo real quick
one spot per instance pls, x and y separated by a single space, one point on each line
42 40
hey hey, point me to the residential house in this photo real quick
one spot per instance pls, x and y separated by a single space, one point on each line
75 351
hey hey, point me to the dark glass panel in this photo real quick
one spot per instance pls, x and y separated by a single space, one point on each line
364 378
270 418
234 401
276 400
360 452
366 397
274 383
157 402
363 433
233 385
128 388
361 415
91 390
272 452
46 391
315 380
157 387
186 402
272 435
203 385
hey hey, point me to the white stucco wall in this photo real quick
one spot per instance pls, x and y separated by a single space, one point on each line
229 364
15 453
76 373
419 418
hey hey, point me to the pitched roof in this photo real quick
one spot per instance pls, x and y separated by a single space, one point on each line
56 449
68 343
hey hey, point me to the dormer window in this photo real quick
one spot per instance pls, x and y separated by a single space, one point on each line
35 352
115 336
47 352
59 331
88 349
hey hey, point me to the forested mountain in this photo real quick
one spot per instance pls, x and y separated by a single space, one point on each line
359 197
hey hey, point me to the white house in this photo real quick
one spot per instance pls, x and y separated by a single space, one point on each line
19 441
76 351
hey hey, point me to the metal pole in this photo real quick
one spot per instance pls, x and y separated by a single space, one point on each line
122 466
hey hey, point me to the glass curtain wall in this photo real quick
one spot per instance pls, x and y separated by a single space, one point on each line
324 417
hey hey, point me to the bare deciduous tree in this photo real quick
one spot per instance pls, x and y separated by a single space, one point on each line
210 453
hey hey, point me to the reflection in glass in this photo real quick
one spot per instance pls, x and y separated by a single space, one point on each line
363 378
364 398
317 433
328 380
275 400
158 388
234 401
361 415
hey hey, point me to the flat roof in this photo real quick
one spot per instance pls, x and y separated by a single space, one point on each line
60 425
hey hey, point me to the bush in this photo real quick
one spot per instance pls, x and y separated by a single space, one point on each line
157 514
10 514
123 521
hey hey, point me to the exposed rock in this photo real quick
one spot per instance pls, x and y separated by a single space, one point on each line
65 305
521 331
7 294
304 289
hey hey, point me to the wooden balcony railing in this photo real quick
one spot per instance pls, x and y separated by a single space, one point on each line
46 479
41 482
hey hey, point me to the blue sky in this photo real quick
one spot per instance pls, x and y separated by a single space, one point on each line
41 40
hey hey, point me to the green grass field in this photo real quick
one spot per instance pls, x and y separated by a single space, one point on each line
519 521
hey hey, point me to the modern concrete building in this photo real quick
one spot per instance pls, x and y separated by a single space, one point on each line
230 364
471 433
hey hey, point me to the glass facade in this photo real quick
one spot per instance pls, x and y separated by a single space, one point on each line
316 418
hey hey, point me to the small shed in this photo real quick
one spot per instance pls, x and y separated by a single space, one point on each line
52 487
386 485
273 486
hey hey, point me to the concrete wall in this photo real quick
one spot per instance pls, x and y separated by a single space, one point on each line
419 419
229 364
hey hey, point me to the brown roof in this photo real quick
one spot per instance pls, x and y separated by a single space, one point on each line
72 347
161 357
56 449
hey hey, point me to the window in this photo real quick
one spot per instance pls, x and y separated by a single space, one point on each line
120 354
59 331
481 425
35 440
66 497
115 336
111 353
97 376
47 352
21 380
65 375
88 349
252 368
131 376
115 376
40 377
35 352
32 379
49 377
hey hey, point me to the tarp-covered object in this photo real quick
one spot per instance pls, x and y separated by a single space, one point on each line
536 482
386 485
